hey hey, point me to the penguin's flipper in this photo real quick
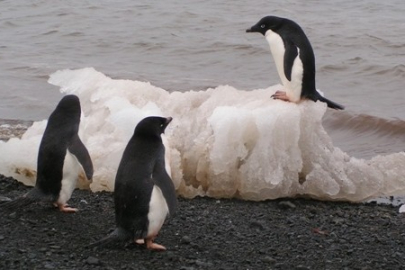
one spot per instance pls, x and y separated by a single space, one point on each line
118 235
78 149
331 104
32 196
165 183
291 52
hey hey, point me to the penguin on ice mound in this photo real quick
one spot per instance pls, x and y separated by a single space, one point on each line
144 193
294 59
61 158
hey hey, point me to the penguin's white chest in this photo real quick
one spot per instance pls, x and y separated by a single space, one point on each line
71 171
158 211
293 88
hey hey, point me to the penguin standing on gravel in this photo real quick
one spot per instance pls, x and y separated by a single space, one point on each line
61 159
294 59
144 193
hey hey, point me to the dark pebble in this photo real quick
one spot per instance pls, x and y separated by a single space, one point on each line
301 267
186 239
49 266
286 205
268 259
92 261
4 199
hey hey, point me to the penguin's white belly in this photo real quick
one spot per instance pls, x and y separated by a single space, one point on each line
71 171
158 211
293 88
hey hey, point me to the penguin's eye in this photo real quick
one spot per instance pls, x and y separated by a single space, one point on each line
263 26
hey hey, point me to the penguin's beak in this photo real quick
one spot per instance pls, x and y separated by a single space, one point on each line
168 120
252 29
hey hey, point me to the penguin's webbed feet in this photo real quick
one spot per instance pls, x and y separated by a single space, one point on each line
150 245
65 208
153 246
280 95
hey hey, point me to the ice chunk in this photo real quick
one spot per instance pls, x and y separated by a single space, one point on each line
222 142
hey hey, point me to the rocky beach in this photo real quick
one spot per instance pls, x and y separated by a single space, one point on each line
206 233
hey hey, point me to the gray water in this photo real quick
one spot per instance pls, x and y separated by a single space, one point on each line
192 45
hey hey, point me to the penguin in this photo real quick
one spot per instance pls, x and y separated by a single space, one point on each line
294 59
144 194
61 158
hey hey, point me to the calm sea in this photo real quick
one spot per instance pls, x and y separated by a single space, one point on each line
193 45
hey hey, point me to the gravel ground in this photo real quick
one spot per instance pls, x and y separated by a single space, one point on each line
206 234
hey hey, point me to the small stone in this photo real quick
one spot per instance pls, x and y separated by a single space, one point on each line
203 264
4 199
83 201
186 239
269 259
187 268
92 261
280 265
257 224
1 237
48 265
287 204
302 267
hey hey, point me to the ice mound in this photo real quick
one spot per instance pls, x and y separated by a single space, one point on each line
222 142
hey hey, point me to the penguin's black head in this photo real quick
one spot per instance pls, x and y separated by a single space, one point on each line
267 23
152 126
69 104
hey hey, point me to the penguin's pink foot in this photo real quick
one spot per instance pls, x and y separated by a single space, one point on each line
153 246
280 95
65 208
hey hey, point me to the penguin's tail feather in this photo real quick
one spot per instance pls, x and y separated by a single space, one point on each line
32 196
17 203
330 103
118 235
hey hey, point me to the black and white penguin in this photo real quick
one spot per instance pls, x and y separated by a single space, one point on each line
144 193
61 158
294 59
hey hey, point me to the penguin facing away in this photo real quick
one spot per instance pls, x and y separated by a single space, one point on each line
144 193
61 158
294 59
